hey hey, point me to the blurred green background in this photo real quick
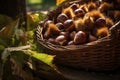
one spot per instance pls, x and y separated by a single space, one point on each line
33 5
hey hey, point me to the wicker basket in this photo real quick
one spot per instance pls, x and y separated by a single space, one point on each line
100 55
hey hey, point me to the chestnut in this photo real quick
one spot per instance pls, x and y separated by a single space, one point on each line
80 37
74 6
69 25
66 34
60 25
100 22
61 40
98 3
95 14
62 18
92 38
70 43
79 12
47 23
72 35
52 40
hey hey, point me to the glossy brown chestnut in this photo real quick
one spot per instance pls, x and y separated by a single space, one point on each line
74 6
70 43
100 22
60 25
69 25
80 37
79 12
72 35
62 18
66 34
47 23
61 40
52 40
92 38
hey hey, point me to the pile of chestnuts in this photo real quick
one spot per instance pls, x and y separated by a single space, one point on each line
78 23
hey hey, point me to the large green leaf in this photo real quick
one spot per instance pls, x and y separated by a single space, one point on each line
48 59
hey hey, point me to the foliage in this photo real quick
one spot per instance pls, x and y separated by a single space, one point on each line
20 57
58 2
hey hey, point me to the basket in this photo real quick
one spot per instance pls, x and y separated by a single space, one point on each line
100 55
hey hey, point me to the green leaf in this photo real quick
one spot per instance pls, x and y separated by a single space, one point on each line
7 51
9 29
33 19
3 42
5 54
48 59
2 48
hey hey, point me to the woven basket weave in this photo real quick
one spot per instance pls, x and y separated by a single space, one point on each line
100 55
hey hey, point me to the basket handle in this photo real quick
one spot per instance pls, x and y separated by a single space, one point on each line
115 31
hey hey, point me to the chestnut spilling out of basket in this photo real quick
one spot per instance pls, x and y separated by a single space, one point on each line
78 24
83 34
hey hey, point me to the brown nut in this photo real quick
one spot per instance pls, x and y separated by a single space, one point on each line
74 6
66 34
47 23
95 14
79 13
60 25
100 22
92 38
62 18
69 25
52 40
72 35
70 43
80 37
61 40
